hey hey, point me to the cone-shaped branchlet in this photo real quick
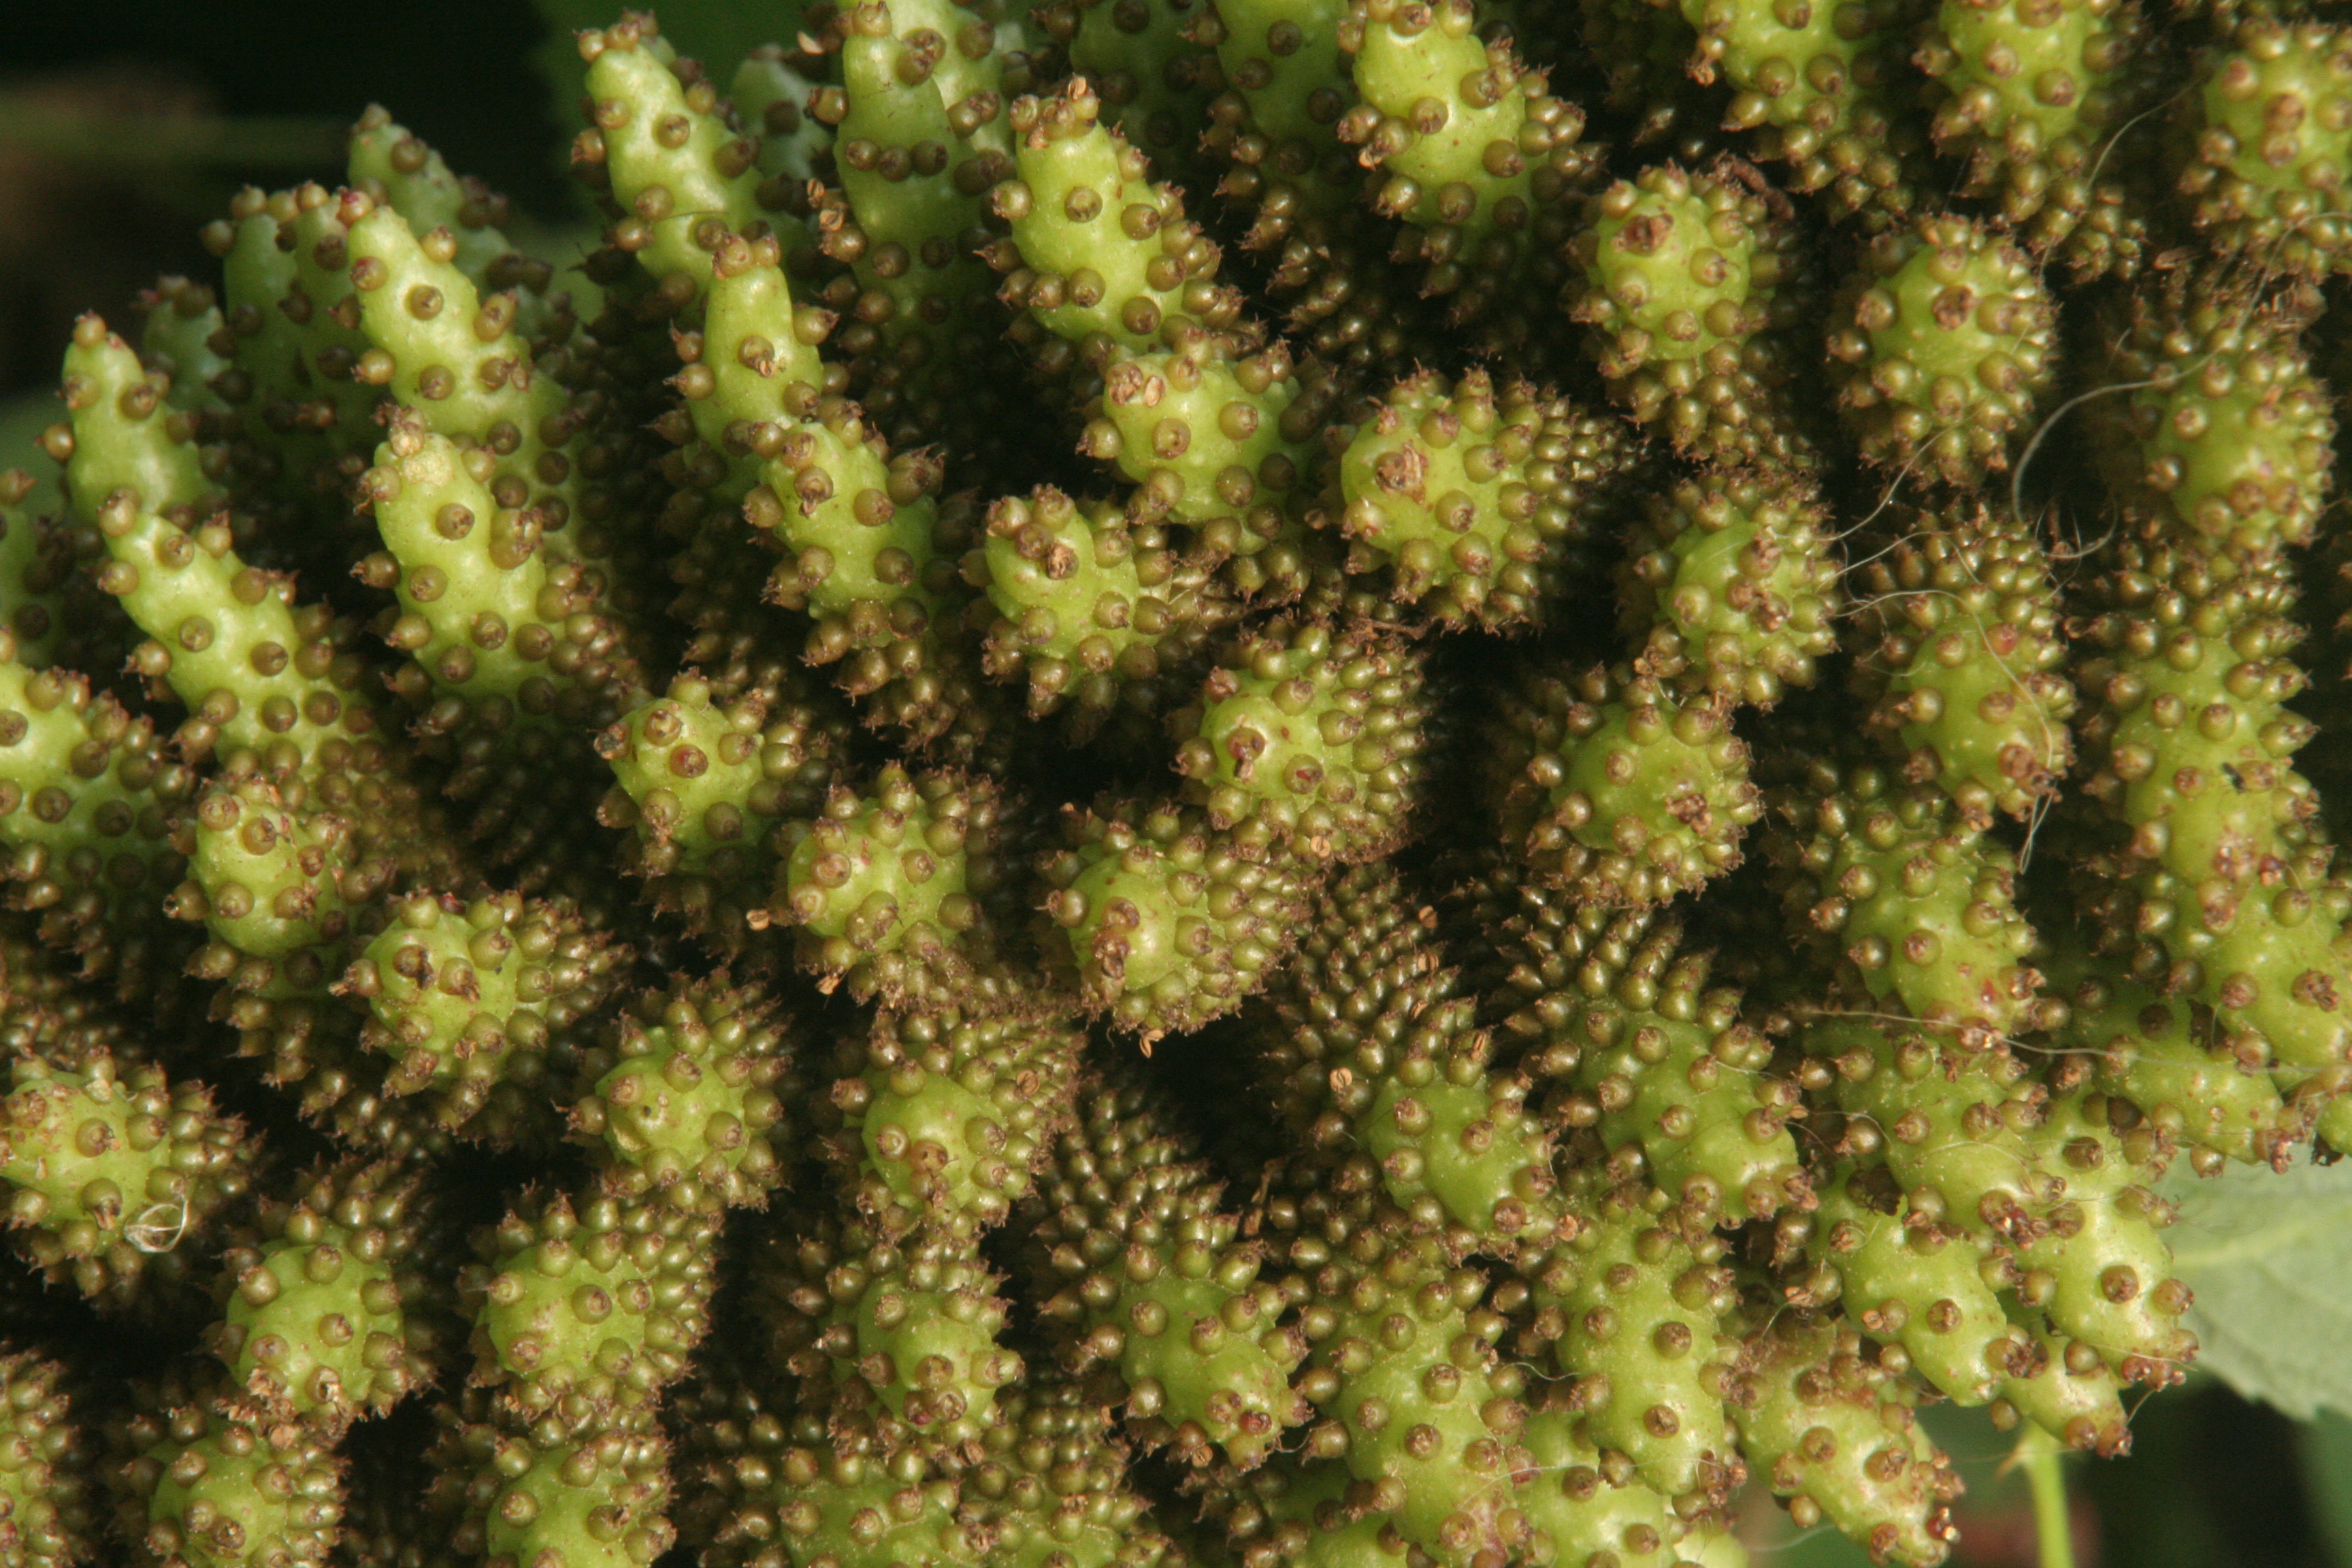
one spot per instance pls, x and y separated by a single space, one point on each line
683 179
1311 739
1634 794
951 1113
1823 94
471 999
689 1100
1368 1044
1673 1080
1478 502
284 892
2141 1047
1100 258
704 779
1470 149
198 1487
892 889
327 1314
258 674
183 338
1943 342
1921 907
400 172
1094 605
2102 1271
1835 1433
1590 1500
1414 1400
1968 667
1170 923
2272 137
2220 890
2065 1388
1637 1306
504 629
771 92
459 367
2227 432
2033 93
754 361
920 139
911 1326
693 770
1735 586
1950 1122
294 340
45 1513
1913 1281
1155 1279
1222 445
87 806
565 1485
1678 278
604 1300
113 1179
855 526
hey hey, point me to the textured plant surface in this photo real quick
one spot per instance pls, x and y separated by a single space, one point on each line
1182 781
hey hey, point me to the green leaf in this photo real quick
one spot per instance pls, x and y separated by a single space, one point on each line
2270 1259
2327 1470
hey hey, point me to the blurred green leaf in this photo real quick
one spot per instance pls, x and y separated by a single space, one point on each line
2270 1257
113 142
2327 1471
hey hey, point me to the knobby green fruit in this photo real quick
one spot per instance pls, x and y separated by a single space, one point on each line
1635 794
1680 279
1836 1435
1943 343
690 1100
328 1315
1155 1279
46 1516
1966 671
1476 501
2273 140
114 1177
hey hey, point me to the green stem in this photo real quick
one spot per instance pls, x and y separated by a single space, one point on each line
2039 1456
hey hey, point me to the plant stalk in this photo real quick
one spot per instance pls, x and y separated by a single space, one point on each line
2042 1457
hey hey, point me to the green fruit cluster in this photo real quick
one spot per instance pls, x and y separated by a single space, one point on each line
1279 782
